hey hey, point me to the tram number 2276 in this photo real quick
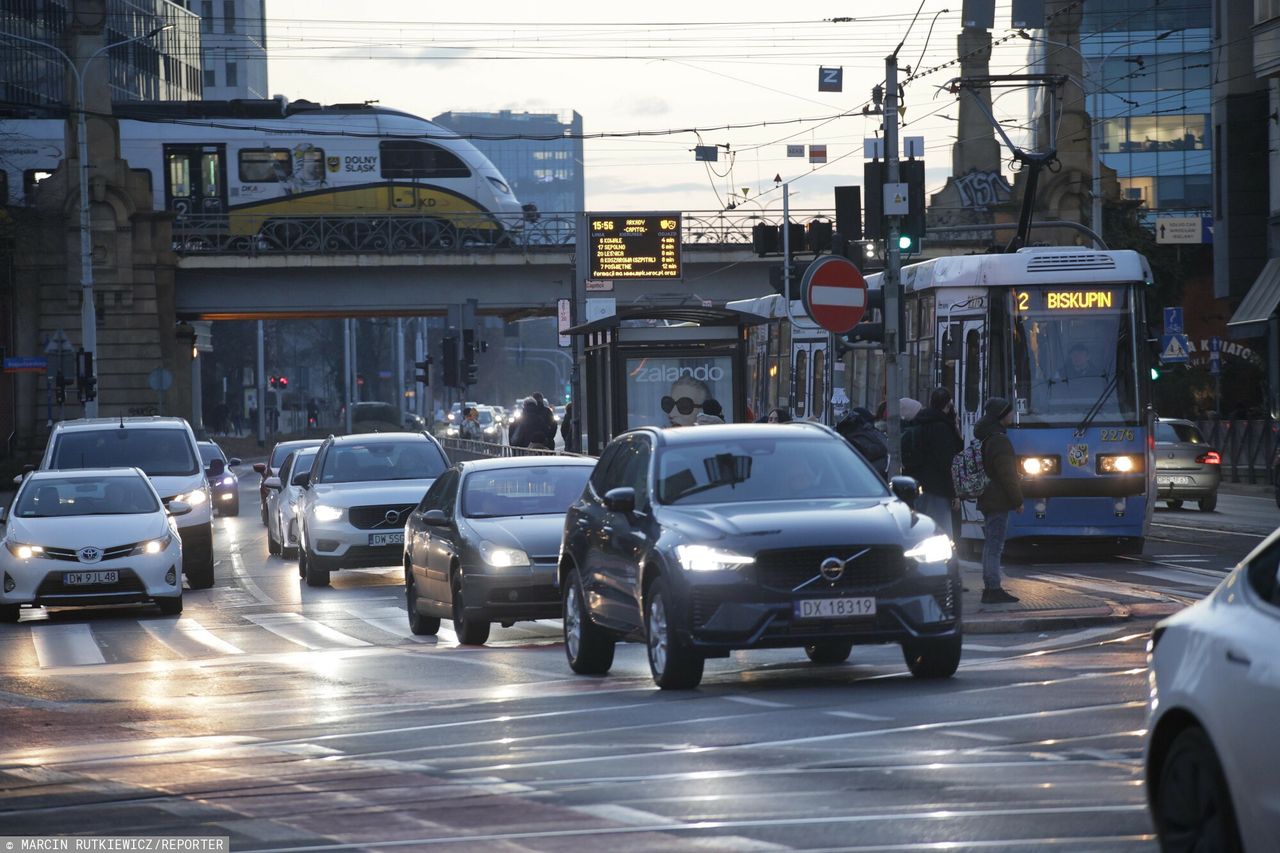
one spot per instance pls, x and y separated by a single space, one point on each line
1117 434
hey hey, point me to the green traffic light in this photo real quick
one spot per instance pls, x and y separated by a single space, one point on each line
1155 374
904 242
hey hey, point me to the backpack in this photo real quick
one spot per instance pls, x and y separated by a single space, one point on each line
967 474
912 458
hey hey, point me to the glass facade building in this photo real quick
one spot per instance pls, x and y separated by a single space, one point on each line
165 67
233 48
1149 69
542 163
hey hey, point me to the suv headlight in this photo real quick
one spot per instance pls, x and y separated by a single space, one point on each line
152 546
326 513
704 558
228 481
500 557
24 552
193 498
935 549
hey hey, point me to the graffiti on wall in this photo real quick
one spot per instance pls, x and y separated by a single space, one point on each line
981 190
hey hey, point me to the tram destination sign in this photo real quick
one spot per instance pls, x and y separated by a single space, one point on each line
1082 299
634 246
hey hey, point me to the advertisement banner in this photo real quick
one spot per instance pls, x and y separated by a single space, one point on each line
675 391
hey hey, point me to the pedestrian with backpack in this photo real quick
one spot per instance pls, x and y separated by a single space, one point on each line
929 446
859 429
1002 495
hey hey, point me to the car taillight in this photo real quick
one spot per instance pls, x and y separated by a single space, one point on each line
1151 441
1210 458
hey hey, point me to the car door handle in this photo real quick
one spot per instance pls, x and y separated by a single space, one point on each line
1234 656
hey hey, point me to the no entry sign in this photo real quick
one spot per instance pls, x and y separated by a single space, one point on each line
834 293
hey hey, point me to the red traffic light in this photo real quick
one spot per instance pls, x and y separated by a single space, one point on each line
284 382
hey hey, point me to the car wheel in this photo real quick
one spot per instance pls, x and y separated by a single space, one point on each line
197 560
9 612
170 606
292 535
674 665
1209 504
588 647
829 651
470 631
263 509
1191 804
1173 504
313 575
273 544
932 658
422 626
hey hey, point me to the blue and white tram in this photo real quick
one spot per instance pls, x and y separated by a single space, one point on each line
1060 332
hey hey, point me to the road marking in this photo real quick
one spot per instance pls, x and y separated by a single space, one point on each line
305 632
981 736
1209 530
1175 576
66 645
237 569
854 715
622 814
394 621
189 638
761 703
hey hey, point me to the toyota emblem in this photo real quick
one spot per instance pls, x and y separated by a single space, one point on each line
832 569
392 516
89 555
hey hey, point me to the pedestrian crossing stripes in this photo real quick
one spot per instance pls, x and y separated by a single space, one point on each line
66 645
305 632
188 638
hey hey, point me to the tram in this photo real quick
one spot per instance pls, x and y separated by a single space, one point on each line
1061 332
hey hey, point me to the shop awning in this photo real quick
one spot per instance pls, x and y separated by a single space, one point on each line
1254 313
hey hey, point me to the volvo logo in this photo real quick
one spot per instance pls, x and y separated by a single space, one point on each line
832 569
89 555
392 517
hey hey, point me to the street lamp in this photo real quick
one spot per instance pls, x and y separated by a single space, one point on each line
88 309
1093 70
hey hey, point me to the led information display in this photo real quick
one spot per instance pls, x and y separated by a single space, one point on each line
635 246
1091 299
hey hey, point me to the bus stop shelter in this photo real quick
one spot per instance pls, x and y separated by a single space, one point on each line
660 367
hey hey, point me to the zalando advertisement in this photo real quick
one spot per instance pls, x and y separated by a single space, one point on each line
674 391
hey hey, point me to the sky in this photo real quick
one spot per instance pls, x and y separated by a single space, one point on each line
744 74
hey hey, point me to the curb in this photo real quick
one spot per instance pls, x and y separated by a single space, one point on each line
1016 622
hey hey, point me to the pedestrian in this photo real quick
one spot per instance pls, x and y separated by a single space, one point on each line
470 428
712 413
548 417
531 430
569 428
858 428
778 416
929 444
1001 496
908 408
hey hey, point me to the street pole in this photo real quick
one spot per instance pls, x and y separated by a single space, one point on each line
347 369
421 390
399 374
260 380
892 271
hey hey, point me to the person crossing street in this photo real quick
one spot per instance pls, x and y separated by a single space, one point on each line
1002 495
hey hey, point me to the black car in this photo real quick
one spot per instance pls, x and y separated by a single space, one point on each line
703 540
224 485
483 545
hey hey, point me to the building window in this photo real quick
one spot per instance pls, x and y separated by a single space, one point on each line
265 165
406 159
229 16
1264 10
210 78
233 74
206 16
1138 134
1184 191
1141 189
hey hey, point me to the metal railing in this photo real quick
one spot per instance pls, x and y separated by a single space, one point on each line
1247 447
466 450
256 234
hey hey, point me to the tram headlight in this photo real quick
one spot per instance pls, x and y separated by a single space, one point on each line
1040 466
1121 463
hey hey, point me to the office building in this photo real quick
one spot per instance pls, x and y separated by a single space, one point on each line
162 68
543 159
233 48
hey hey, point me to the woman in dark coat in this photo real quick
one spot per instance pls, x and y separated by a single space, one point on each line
1002 496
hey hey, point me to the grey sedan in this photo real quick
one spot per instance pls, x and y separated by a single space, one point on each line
1187 468
483 544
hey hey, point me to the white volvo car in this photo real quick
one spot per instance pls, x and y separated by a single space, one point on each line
98 536
358 497
165 450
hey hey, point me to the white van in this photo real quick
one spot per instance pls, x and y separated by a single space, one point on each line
165 449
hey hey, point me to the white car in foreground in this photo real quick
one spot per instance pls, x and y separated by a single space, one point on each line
1213 731
95 536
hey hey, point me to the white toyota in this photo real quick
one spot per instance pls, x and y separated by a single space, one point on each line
356 502
98 536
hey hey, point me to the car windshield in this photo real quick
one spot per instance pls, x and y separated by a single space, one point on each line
485 417
1175 433
210 452
763 469
542 490
382 460
63 497
158 452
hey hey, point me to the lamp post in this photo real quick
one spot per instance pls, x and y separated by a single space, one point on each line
88 309
1093 71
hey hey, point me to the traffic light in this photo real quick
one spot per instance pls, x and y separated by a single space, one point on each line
450 363
423 369
912 231
86 382
472 374
271 381
284 382
60 389
1155 373
866 330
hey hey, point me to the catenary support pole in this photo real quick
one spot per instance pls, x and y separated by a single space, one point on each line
892 272
260 380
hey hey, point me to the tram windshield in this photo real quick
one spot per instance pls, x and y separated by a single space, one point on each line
1074 354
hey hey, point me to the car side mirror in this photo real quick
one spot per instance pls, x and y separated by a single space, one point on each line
178 508
4 514
621 499
235 460
435 518
299 480
272 483
905 489
261 468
